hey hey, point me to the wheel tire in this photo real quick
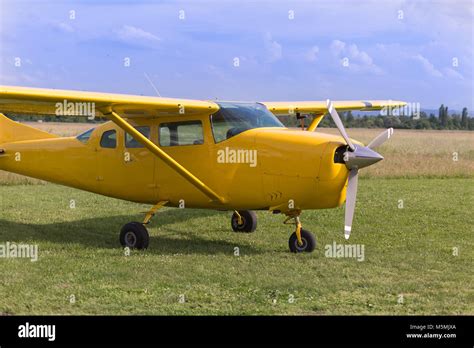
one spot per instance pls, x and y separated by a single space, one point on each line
134 235
249 221
309 242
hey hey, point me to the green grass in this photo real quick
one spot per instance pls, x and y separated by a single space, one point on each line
407 251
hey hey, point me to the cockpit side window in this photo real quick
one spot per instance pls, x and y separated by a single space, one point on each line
84 137
234 118
181 133
109 139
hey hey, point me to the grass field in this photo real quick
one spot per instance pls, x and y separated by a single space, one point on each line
408 252
418 258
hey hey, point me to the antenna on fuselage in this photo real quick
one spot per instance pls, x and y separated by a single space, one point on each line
152 84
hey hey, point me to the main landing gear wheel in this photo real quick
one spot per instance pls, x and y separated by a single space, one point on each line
134 236
307 239
247 222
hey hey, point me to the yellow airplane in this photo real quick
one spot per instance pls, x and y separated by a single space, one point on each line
233 156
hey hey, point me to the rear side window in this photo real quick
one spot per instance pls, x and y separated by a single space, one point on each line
109 139
181 133
131 143
164 136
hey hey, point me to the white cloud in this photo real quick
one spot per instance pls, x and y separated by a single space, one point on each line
19 79
428 66
450 72
361 56
337 47
131 34
312 54
273 48
63 26
358 60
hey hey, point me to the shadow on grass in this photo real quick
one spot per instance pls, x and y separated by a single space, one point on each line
103 232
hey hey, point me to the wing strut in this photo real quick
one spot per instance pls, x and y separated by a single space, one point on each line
127 127
314 124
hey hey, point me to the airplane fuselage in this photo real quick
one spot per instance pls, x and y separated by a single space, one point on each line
259 169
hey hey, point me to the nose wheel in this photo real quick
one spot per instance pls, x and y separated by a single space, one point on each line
301 240
308 242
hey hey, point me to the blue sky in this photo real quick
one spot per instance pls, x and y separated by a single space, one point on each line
417 51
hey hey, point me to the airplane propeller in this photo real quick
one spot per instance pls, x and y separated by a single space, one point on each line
355 158
381 138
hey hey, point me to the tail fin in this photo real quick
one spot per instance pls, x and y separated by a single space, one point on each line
11 131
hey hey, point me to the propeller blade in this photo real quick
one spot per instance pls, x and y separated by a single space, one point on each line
339 124
351 195
381 138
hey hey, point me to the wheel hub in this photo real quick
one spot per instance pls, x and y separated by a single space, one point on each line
302 246
130 239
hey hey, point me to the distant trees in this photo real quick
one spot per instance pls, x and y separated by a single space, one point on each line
50 118
464 119
350 117
443 115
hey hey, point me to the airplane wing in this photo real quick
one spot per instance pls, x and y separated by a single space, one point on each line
320 107
50 101
67 102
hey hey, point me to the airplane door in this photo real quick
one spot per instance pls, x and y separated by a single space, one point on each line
126 169
188 144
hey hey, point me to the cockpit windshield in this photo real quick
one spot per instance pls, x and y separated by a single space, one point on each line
234 118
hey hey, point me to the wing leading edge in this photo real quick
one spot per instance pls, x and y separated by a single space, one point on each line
68 103
320 107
